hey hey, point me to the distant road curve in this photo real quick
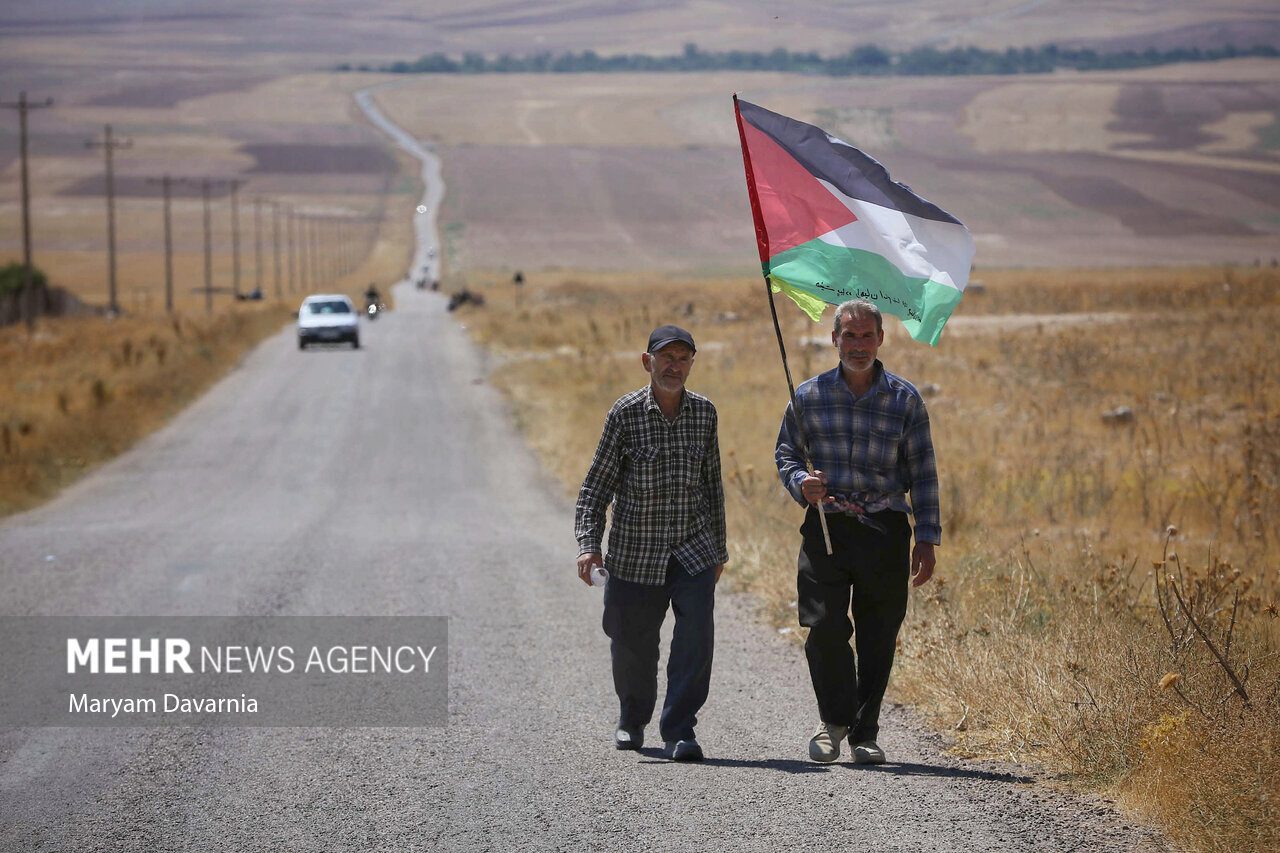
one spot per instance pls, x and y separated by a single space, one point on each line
426 256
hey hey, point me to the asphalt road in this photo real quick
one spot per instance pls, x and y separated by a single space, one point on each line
388 481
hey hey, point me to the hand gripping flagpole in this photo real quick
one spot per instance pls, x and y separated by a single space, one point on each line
762 240
795 410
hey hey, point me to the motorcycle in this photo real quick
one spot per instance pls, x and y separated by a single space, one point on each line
373 309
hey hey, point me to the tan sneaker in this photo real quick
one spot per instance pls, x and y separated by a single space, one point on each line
868 752
824 746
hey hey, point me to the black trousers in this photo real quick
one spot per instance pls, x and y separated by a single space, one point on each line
633 616
870 570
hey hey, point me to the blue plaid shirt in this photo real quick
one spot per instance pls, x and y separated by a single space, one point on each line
874 449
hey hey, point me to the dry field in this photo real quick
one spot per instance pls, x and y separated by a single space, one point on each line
295 141
1165 165
1054 630
296 34
643 171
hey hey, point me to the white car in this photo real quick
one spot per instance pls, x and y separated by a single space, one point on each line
328 318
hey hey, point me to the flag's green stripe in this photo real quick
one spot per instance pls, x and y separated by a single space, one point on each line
832 274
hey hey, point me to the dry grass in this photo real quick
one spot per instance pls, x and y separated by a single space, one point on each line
1053 631
81 390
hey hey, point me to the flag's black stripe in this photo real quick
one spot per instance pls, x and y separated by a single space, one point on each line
843 166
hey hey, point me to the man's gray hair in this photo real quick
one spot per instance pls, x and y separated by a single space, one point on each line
858 308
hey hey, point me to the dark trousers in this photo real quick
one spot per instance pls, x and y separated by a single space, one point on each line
633 616
869 569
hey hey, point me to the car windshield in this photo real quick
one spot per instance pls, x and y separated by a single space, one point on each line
334 306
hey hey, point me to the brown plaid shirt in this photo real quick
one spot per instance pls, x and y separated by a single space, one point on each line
663 479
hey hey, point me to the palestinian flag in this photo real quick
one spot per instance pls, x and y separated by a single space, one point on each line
832 225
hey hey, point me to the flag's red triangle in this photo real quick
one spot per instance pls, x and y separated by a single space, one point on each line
795 207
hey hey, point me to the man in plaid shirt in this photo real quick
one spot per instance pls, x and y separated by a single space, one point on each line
658 463
868 438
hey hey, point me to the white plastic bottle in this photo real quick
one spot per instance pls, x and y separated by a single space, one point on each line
599 576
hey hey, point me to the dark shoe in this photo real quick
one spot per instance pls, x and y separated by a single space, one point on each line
628 738
868 752
682 750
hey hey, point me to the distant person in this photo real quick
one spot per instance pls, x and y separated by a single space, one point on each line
518 278
371 294
658 463
870 445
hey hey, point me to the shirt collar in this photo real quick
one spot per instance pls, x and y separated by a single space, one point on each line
651 402
879 385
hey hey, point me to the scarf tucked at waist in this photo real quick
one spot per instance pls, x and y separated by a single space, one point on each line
861 506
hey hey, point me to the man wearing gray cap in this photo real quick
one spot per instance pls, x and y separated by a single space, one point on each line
658 463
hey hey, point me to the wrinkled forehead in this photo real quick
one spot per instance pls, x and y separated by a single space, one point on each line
857 322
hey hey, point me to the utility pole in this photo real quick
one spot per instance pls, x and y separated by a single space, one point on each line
323 251
109 145
306 262
257 243
313 259
275 240
166 184
205 185
288 213
317 271
168 249
344 225
334 247
28 291
309 251
339 228
235 238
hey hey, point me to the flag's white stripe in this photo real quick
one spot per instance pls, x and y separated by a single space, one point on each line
920 248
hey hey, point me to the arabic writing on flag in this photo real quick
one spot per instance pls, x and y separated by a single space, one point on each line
832 225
